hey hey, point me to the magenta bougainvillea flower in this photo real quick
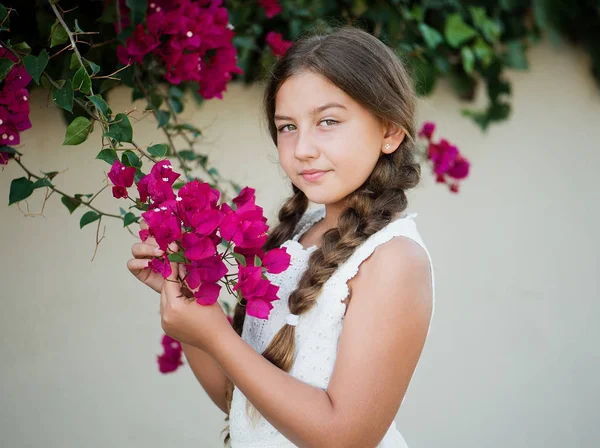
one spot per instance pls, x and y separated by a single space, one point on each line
170 360
279 46
271 7
122 177
449 165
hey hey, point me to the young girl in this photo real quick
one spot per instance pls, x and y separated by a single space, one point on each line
331 365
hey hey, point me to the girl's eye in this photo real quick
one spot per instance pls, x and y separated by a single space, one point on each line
329 122
281 129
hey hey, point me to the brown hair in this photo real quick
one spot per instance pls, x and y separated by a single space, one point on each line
372 74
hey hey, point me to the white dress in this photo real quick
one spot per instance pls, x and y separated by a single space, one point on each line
317 332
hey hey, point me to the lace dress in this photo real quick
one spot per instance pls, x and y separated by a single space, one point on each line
317 332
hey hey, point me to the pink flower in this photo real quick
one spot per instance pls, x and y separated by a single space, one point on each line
197 248
276 260
170 360
17 78
4 156
259 308
163 225
272 7
138 45
460 169
246 226
443 156
206 270
159 183
198 206
161 265
208 293
278 45
9 135
246 195
427 130
122 178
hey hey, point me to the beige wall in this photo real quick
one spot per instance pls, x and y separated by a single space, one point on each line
512 358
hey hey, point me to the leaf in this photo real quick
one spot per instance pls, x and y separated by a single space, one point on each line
176 105
70 203
177 258
5 67
22 47
4 19
187 154
94 67
483 52
40 183
129 158
162 117
432 36
240 258
100 104
64 97
35 65
188 127
77 27
159 150
138 10
20 189
257 261
138 175
109 155
51 174
176 92
58 35
515 55
120 129
78 131
457 31
82 81
129 218
88 218
213 172
468 59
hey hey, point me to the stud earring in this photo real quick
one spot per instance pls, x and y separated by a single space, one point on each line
387 146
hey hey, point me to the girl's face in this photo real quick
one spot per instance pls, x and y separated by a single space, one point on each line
322 128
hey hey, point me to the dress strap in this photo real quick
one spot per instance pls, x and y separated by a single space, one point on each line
309 218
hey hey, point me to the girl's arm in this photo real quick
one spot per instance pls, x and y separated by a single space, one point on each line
209 374
384 332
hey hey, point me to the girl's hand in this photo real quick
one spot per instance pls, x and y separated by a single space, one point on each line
143 253
187 321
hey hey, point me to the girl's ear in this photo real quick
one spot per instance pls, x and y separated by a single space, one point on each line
393 137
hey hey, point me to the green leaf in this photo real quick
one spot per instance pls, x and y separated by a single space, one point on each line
129 218
213 172
120 129
5 67
22 47
457 31
109 155
188 127
20 189
176 92
100 104
88 218
35 65
187 154
77 27
483 52
240 258
129 158
515 55
40 183
468 59
64 97
58 35
94 67
257 261
74 63
159 150
138 10
51 174
4 19
176 105
78 131
82 81
177 258
432 36
138 175
162 117
70 203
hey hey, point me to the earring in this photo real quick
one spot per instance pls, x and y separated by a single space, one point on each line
387 146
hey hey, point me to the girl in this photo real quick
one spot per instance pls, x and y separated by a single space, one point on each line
331 365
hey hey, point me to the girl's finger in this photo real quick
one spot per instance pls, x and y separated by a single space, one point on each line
136 264
139 250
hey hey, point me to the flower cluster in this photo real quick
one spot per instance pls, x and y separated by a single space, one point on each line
14 105
170 360
197 224
279 46
449 165
193 39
